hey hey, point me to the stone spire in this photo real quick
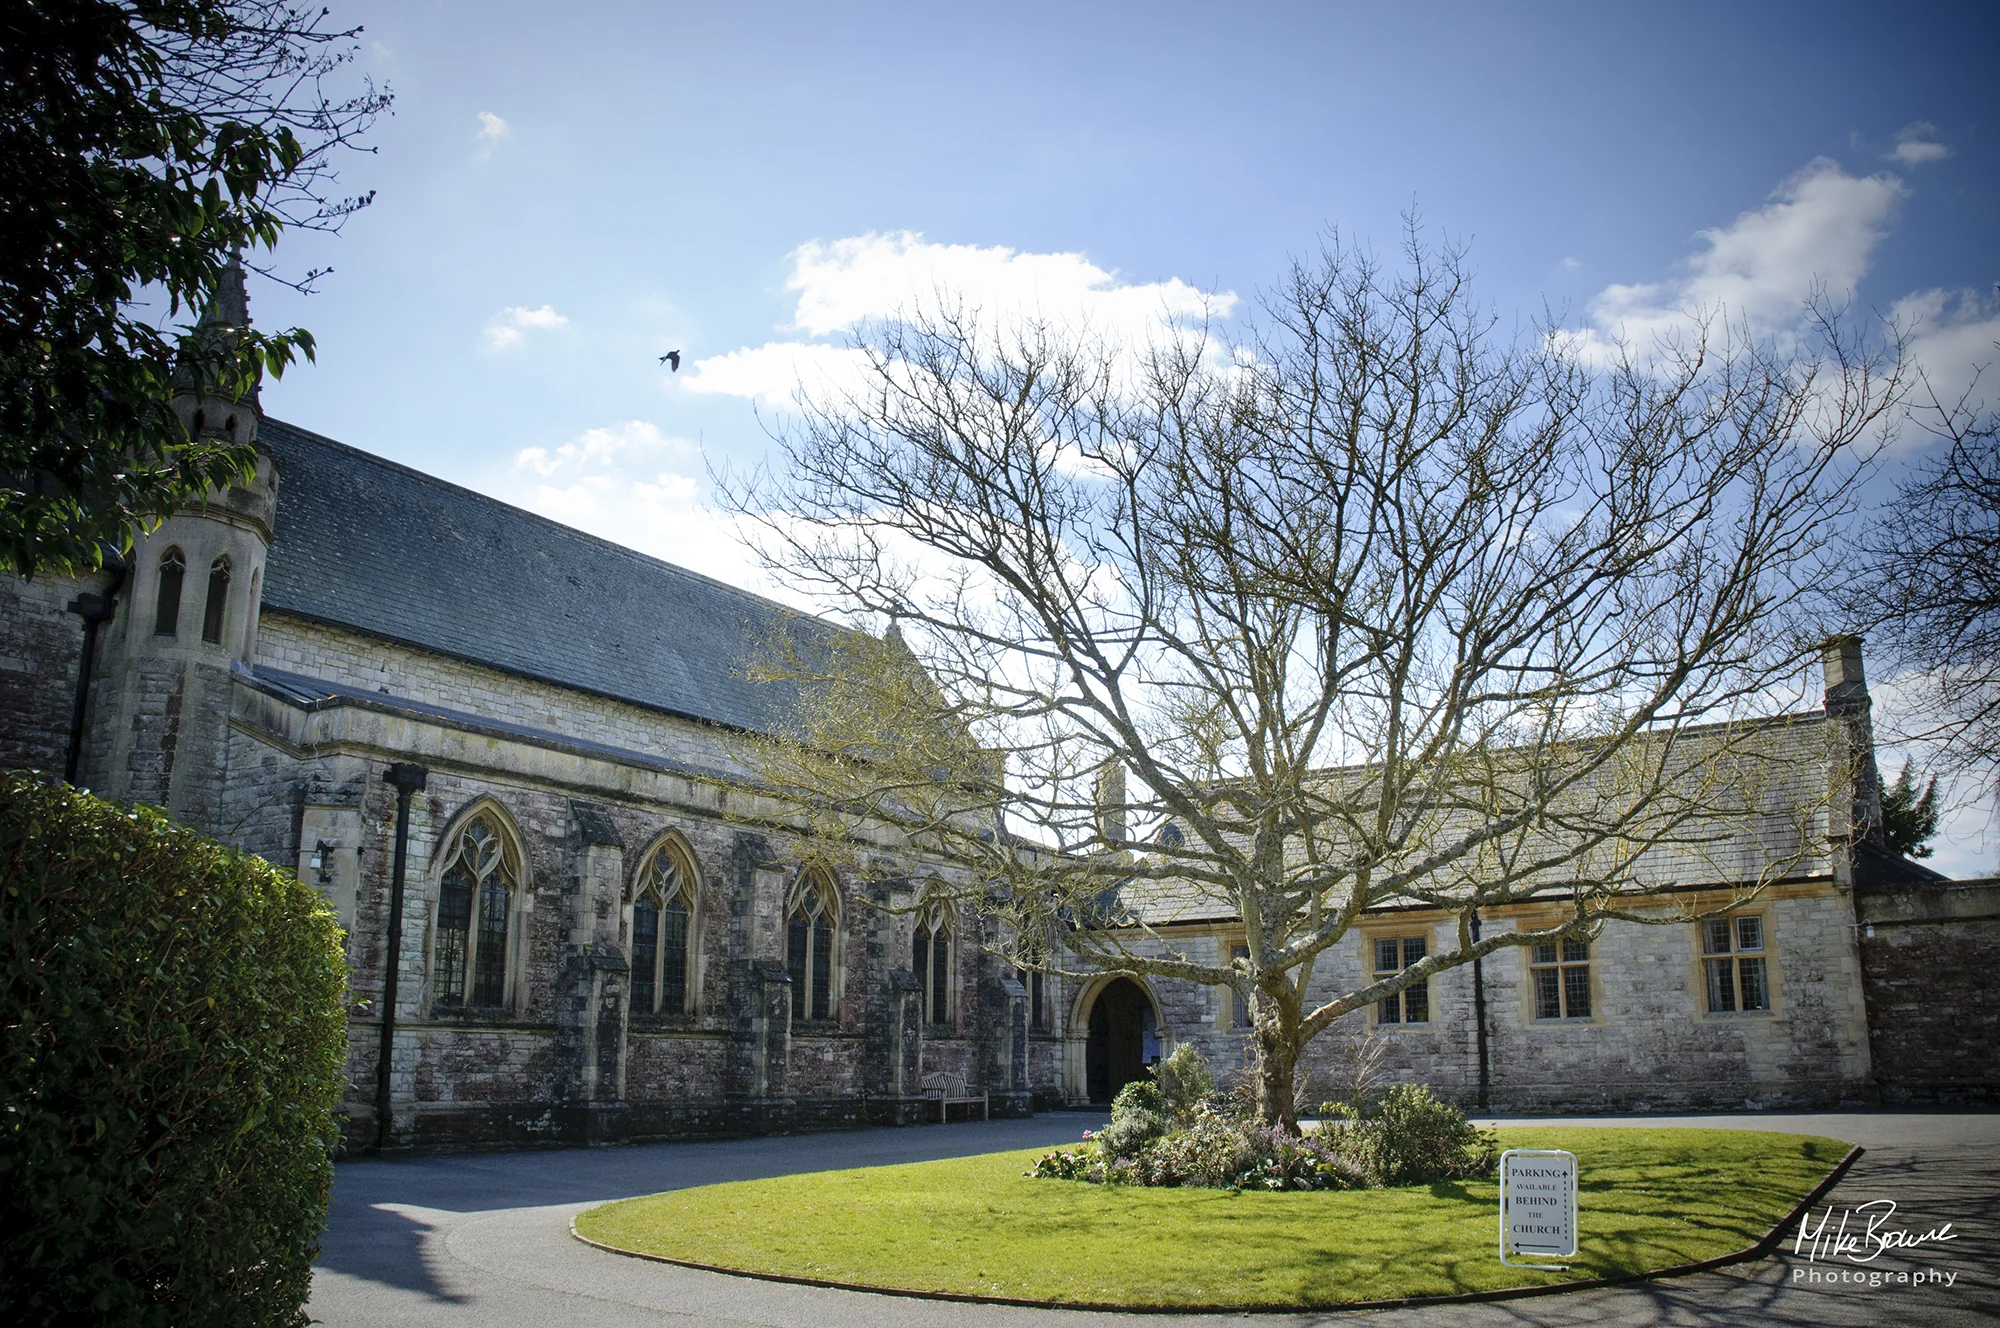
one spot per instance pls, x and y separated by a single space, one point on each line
202 406
230 309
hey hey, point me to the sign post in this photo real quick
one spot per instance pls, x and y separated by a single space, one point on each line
1537 1206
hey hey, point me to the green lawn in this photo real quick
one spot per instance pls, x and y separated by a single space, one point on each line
1648 1199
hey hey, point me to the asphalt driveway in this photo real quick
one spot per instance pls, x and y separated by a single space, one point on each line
483 1239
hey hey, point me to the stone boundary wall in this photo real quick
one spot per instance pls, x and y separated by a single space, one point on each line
1928 956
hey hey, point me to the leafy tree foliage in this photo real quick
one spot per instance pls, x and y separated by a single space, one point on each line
1909 818
144 145
172 1035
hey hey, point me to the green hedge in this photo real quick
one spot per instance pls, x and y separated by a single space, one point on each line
173 1045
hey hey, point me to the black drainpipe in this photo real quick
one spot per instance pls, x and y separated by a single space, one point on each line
406 778
1479 1014
95 610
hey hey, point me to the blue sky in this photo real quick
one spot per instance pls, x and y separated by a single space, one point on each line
567 192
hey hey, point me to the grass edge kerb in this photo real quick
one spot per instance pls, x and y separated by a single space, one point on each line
1763 1247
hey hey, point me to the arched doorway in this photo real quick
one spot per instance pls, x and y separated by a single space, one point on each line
1124 1039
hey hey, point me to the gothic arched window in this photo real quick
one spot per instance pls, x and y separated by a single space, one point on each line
663 931
167 608
218 601
481 872
810 928
930 960
1035 983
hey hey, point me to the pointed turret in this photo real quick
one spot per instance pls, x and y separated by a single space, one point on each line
204 407
195 593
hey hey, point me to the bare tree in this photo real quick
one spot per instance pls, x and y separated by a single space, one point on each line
1374 607
1933 591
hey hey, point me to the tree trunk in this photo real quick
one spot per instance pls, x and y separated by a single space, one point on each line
1277 1036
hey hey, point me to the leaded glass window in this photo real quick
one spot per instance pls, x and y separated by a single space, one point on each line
809 947
1561 972
475 914
1239 1008
1411 1005
1036 984
930 960
663 932
645 954
1734 964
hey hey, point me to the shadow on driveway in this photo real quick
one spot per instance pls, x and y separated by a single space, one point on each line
384 1225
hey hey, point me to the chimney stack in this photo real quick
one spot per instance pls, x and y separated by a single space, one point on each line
1111 805
1848 703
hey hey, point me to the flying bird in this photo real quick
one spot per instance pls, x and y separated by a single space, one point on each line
672 357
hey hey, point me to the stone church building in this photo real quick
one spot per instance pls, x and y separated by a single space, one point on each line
606 932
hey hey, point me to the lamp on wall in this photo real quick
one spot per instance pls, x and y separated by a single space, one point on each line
318 862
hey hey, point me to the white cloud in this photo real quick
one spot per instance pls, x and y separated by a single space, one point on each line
851 281
1818 232
602 448
775 373
492 129
877 276
637 486
510 327
1917 145
1952 337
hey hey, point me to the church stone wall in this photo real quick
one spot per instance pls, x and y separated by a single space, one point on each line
565 1060
356 659
41 645
1648 1045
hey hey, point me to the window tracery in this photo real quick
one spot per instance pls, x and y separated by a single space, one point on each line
930 960
809 945
663 923
481 872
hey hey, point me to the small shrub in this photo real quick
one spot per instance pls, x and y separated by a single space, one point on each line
1291 1162
1138 1117
1415 1139
171 1046
1060 1165
1185 1082
1212 1151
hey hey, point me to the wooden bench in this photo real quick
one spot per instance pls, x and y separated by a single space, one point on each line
948 1090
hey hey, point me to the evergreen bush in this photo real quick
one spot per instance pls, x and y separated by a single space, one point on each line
1185 1082
172 1037
1416 1138
1138 1117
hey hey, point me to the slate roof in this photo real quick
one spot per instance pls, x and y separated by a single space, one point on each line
364 543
